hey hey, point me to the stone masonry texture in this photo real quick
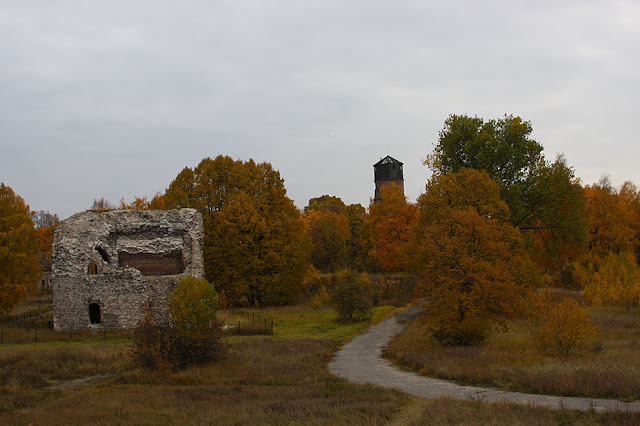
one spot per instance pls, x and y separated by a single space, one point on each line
110 267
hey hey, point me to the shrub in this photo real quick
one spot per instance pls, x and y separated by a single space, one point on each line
190 335
563 326
351 295
222 300
166 348
193 304
321 298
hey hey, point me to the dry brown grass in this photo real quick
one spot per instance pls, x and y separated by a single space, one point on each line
38 366
220 405
610 369
446 411
264 381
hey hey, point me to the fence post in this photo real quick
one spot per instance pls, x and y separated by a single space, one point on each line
2 335
35 328
71 335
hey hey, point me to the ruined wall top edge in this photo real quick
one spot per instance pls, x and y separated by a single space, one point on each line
99 236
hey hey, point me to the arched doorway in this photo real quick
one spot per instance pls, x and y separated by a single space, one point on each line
95 314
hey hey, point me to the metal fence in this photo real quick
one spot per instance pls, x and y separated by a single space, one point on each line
36 326
254 324
38 332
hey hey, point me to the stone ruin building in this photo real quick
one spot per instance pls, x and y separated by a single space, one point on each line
109 267
387 171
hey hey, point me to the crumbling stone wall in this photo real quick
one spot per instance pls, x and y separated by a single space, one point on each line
109 267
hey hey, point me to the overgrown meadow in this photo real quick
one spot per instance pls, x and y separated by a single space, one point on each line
264 380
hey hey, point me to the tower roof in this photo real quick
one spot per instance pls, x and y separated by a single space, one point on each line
387 160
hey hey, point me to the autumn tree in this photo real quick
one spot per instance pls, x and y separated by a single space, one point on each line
560 325
360 246
254 244
45 243
19 266
326 203
390 221
339 234
193 304
142 203
544 198
352 295
613 218
609 280
329 232
188 335
472 259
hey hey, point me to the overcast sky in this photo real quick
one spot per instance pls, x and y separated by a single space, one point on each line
112 99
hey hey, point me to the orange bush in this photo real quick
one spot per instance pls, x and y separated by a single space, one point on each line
563 326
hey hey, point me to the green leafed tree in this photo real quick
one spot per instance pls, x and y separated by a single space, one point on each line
19 265
352 295
544 198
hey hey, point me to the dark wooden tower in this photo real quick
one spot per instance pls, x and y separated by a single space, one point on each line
387 171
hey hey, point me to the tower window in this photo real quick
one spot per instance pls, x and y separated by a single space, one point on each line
93 268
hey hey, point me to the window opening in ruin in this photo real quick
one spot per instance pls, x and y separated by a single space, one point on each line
93 268
153 263
103 254
94 313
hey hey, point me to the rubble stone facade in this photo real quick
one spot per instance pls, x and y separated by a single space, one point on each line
109 267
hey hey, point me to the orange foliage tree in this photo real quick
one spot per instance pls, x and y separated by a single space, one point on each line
613 218
19 266
254 244
142 203
472 259
339 234
390 221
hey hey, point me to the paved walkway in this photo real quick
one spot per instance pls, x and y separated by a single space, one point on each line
360 361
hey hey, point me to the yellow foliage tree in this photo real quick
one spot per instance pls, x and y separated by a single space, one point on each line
193 304
610 280
563 326
613 218
19 265
329 232
472 260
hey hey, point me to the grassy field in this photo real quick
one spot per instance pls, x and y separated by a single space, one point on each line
265 380
608 368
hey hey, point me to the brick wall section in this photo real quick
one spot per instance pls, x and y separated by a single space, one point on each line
153 263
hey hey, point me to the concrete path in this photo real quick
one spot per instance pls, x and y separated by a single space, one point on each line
360 361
